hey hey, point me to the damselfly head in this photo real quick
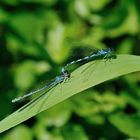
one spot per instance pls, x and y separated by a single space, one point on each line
112 54
66 73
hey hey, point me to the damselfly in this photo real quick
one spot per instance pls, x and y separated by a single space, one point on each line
100 54
59 79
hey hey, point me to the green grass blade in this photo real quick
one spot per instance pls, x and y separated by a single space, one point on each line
94 75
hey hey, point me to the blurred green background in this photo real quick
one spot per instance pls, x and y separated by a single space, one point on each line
38 37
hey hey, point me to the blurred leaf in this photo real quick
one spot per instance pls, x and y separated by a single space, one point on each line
41 67
126 27
28 26
84 105
127 124
10 2
111 17
46 2
131 94
124 64
25 73
21 132
126 46
56 45
91 105
82 8
3 16
51 18
97 5
16 46
132 99
74 132
41 133
96 119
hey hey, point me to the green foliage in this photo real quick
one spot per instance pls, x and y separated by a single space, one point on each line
99 72
127 124
37 37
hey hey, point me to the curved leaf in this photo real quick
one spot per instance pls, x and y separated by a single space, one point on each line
84 77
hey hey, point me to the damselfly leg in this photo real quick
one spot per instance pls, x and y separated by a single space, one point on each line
58 80
98 55
106 55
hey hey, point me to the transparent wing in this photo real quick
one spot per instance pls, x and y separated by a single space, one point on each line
38 97
41 95
43 86
95 62
82 51
80 55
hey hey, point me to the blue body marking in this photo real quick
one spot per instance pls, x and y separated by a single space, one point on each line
59 79
101 54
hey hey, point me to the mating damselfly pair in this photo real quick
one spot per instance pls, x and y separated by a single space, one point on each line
107 54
